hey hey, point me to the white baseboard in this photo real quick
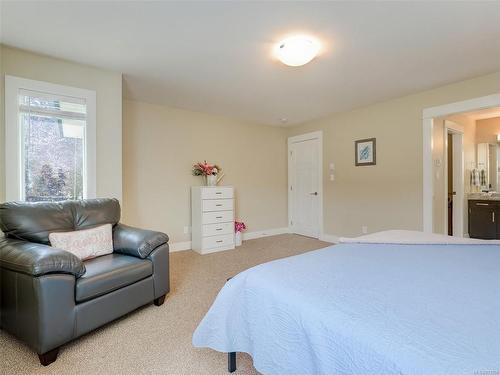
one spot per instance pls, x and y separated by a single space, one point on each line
180 246
186 245
329 238
264 233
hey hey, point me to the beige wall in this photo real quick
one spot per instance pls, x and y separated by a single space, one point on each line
108 86
487 130
160 145
388 195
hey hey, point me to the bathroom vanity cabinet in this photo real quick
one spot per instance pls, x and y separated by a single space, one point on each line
484 219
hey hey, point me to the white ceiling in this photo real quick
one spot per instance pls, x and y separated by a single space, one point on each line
216 56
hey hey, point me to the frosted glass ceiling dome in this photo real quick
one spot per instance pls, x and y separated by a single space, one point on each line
297 50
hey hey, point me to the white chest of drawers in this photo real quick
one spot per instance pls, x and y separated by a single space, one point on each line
212 216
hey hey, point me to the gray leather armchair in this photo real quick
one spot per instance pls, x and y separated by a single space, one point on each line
49 297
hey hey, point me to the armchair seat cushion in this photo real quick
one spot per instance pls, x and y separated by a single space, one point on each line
108 273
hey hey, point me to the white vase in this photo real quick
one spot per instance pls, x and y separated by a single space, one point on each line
237 238
212 180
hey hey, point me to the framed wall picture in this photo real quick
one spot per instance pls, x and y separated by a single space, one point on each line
366 152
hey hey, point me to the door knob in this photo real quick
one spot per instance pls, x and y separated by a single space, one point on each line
315 193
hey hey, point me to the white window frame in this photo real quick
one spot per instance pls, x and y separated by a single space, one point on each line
13 133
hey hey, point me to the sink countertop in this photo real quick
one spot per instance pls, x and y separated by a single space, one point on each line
484 196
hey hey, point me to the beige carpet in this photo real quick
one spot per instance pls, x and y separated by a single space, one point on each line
157 340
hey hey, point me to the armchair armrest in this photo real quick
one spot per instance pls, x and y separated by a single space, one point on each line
136 242
36 259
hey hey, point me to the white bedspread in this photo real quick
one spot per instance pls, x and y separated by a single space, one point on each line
365 309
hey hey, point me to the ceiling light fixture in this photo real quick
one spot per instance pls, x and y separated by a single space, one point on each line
297 50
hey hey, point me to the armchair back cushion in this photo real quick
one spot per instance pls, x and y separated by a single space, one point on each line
34 222
90 213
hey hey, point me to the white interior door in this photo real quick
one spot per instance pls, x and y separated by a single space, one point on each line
305 186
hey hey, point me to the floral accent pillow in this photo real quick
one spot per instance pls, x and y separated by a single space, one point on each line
85 243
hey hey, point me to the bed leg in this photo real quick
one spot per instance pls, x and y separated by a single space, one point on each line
231 357
231 362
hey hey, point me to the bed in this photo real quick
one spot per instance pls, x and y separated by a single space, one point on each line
372 305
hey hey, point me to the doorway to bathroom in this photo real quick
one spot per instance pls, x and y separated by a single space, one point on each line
431 164
465 154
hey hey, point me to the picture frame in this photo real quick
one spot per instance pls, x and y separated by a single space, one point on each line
365 151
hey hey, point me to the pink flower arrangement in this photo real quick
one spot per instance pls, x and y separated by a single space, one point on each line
239 226
206 169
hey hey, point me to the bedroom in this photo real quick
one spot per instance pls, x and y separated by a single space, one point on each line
172 87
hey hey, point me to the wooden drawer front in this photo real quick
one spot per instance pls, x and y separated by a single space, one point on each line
217 217
217 205
218 241
216 229
217 193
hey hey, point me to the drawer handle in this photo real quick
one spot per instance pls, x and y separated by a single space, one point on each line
219 241
218 217
218 229
218 192
482 204
218 205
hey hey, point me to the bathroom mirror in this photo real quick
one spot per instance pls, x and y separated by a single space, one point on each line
488 160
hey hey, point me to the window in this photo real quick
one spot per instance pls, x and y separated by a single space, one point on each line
53 146
50 137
